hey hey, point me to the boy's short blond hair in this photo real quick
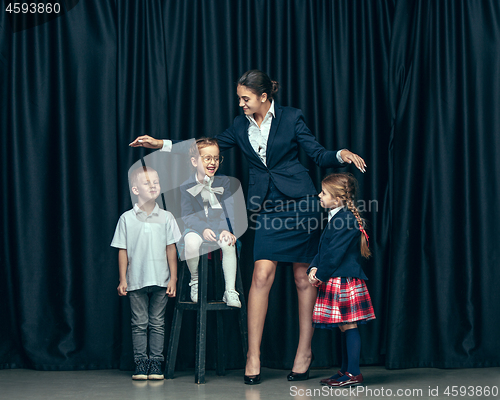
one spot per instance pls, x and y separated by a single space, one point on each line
134 175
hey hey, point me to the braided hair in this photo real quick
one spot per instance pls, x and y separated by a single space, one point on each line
345 186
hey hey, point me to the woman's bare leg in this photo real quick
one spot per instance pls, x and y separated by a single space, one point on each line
307 297
258 299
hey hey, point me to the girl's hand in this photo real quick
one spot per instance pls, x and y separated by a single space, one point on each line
147 141
209 234
350 157
227 236
171 288
312 277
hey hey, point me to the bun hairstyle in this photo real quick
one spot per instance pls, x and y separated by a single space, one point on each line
259 83
345 186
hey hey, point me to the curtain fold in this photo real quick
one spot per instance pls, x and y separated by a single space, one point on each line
444 82
412 86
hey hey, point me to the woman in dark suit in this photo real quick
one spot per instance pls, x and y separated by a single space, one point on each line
282 194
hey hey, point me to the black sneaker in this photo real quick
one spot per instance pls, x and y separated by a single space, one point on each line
155 372
141 370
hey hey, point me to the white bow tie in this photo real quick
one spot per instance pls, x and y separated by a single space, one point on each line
207 192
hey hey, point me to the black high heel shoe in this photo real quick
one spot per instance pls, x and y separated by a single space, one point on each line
294 376
252 379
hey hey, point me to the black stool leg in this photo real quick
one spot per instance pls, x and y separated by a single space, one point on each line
201 329
219 274
175 331
220 288
173 342
220 370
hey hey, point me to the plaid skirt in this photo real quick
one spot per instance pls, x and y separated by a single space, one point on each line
342 301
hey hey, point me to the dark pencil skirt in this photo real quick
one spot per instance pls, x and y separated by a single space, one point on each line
287 229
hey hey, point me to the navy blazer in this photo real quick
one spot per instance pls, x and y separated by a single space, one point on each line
193 211
288 131
339 251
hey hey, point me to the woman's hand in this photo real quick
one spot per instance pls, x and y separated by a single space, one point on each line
227 236
312 277
209 234
350 157
147 141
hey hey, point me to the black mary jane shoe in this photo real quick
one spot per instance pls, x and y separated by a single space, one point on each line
252 379
304 376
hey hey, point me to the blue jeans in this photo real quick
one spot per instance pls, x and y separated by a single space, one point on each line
147 306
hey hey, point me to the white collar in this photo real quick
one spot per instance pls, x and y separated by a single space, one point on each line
334 211
270 111
138 210
206 179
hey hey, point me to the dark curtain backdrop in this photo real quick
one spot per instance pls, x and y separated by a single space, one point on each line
412 86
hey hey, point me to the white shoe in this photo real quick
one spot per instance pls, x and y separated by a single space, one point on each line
194 291
231 298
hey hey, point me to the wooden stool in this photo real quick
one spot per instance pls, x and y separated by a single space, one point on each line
201 308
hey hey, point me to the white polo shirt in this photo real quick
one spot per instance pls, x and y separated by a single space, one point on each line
145 237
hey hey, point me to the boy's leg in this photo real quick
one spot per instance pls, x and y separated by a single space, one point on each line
229 264
139 303
157 305
193 242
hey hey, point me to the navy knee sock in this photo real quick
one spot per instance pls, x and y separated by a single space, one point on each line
343 343
353 344
343 347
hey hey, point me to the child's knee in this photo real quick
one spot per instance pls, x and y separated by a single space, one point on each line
346 327
192 243
192 248
140 326
157 325
227 248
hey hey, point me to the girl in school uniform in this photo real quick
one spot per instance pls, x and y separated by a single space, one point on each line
343 300
205 200
282 194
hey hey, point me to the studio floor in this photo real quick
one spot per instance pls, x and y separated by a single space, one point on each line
422 383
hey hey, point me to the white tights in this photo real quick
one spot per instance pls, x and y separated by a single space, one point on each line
193 242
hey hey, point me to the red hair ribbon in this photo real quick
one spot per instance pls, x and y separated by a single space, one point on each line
366 236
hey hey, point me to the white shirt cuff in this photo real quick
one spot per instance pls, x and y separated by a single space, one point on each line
167 146
339 157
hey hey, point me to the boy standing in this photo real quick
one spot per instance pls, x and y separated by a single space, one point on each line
147 261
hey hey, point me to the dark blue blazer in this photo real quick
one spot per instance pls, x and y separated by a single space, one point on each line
193 211
339 251
288 131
